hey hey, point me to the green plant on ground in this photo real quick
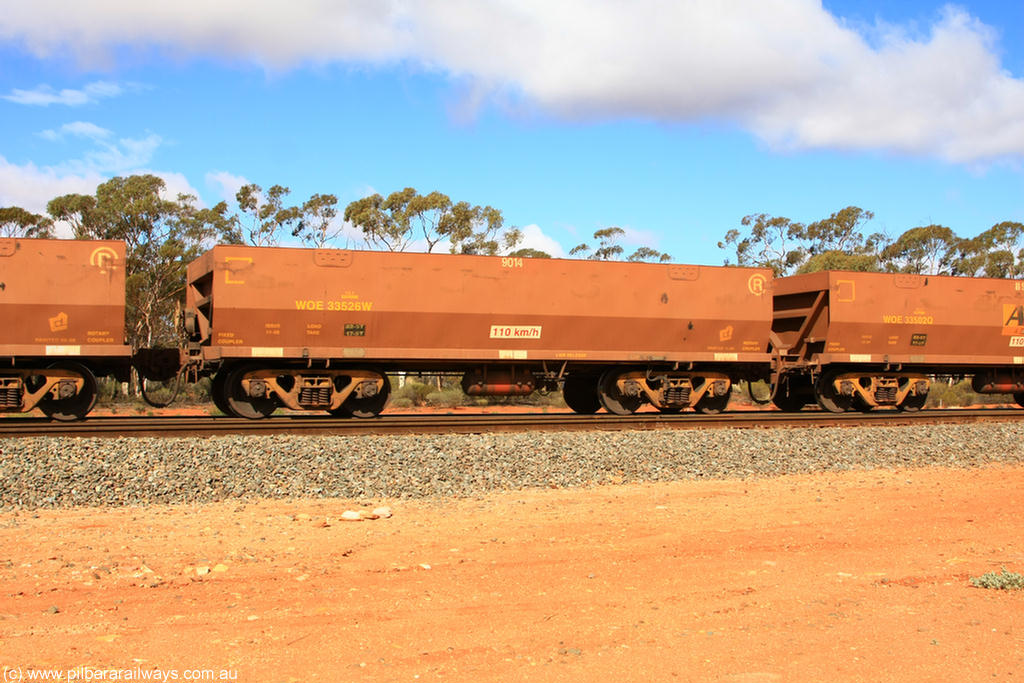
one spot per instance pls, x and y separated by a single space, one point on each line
944 395
401 402
1003 580
446 398
412 391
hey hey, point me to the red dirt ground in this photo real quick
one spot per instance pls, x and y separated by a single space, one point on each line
848 577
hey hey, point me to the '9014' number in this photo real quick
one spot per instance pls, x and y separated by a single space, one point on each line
511 262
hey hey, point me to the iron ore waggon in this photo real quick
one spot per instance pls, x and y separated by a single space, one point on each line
855 341
317 329
62 307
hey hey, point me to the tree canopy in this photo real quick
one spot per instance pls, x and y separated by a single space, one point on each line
407 217
609 249
839 243
17 222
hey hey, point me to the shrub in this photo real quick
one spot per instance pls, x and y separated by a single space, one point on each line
944 395
1004 580
446 398
415 392
401 402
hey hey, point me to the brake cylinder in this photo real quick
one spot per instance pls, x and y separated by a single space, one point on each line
498 382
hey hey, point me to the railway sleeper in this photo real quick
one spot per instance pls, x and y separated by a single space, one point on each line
872 390
322 390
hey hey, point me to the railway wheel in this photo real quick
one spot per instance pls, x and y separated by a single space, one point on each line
792 393
239 402
861 405
613 400
789 403
76 405
712 405
828 398
368 406
580 394
217 392
914 402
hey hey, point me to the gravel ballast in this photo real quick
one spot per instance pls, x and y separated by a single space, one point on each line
50 472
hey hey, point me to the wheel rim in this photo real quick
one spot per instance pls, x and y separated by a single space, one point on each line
580 394
368 407
861 405
793 393
712 405
239 403
612 399
75 407
913 403
340 411
789 404
218 387
827 397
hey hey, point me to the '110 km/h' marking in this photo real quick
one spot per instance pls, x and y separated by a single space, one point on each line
515 331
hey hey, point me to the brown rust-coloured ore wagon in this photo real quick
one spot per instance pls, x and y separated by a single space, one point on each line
320 329
62 313
860 340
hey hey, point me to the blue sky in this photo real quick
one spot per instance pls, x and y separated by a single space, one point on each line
672 120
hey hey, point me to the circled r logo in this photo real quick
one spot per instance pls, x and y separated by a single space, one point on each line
756 284
103 258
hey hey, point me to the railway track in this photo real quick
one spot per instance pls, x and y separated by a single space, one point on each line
204 426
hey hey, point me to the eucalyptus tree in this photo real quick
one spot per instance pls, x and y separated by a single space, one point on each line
17 222
924 250
406 219
263 217
788 247
996 252
609 248
317 226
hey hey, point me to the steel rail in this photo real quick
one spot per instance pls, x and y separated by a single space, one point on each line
204 426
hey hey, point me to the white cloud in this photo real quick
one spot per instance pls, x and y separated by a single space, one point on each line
107 155
44 95
31 187
788 71
534 238
227 184
80 129
174 184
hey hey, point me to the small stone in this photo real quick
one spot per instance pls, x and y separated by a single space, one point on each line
220 568
351 516
368 515
383 511
53 610
202 571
